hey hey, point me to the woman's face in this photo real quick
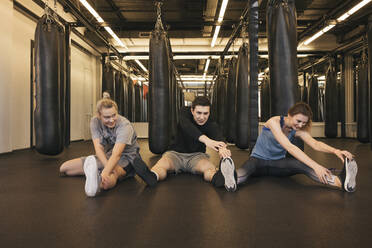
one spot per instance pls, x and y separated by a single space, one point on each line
109 117
298 121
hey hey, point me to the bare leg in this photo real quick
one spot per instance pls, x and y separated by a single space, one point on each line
162 167
205 167
73 167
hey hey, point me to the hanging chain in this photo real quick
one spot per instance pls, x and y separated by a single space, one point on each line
244 32
47 12
158 13
55 10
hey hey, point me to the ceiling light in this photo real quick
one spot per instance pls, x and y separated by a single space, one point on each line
195 82
216 31
92 11
206 66
222 10
353 10
109 30
141 65
320 33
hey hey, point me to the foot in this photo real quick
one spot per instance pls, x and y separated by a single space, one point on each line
92 176
350 171
228 169
143 172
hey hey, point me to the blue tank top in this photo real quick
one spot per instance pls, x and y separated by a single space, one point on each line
267 147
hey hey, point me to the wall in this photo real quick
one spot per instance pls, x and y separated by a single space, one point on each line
6 16
15 50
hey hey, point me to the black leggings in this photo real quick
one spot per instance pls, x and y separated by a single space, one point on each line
280 168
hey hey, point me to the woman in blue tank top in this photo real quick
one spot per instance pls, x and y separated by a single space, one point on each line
268 156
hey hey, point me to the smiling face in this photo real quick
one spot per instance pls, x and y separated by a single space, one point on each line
200 114
108 116
298 121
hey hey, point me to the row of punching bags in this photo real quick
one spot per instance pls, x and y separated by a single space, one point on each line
130 98
52 110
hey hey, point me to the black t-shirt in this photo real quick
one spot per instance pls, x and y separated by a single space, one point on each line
188 133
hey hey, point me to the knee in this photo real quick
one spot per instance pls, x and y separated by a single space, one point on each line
63 168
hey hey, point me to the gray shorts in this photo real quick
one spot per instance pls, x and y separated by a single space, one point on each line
185 162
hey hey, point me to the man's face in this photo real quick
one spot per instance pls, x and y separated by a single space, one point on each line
109 117
200 114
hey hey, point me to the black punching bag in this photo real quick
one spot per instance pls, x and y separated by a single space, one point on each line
159 90
108 79
48 121
330 102
265 99
362 116
282 44
313 97
231 102
242 99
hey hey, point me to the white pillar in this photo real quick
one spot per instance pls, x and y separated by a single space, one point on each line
6 17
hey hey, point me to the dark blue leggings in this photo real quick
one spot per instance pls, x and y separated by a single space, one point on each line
285 167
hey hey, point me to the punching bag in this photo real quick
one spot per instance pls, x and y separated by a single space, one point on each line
362 116
265 99
108 78
230 128
282 45
48 116
313 97
119 92
242 99
221 94
130 100
330 102
63 87
137 103
125 81
159 90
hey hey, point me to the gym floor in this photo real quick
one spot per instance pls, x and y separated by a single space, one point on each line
41 209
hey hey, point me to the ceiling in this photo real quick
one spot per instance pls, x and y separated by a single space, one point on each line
190 25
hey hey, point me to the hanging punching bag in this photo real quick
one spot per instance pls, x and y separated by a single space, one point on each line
63 86
265 99
330 102
362 117
137 103
125 95
231 102
221 94
242 99
108 79
130 100
48 121
158 90
282 44
313 97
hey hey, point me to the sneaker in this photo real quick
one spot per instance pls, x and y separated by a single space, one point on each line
227 168
92 176
349 172
143 172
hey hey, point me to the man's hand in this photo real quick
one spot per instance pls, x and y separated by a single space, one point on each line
105 176
224 152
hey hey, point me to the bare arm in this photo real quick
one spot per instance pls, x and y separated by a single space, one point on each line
322 147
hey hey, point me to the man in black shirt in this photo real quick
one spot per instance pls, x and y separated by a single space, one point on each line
195 132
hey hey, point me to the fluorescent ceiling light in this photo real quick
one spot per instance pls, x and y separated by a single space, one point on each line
109 30
136 57
92 11
216 31
141 65
321 78
353 10
320 33
194 82
196 77
222 10
206 66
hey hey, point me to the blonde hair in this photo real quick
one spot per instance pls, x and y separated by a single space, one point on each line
302 108
106 103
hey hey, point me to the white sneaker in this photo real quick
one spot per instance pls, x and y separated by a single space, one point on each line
351 169
92 176
227 170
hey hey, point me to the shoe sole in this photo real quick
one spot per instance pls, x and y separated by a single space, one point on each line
351 172
227 170
92 177
143 172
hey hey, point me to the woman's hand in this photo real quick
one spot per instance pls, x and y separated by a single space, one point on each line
322 173
215 145
105 176
224 152
341 154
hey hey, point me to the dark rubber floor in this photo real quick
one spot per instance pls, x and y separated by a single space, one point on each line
40 209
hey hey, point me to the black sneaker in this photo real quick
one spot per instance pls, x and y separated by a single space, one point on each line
348 175
142 171
227 169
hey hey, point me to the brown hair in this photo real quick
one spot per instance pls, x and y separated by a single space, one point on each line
106 103
302 108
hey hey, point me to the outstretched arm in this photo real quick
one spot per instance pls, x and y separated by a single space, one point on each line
274 125
322 147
